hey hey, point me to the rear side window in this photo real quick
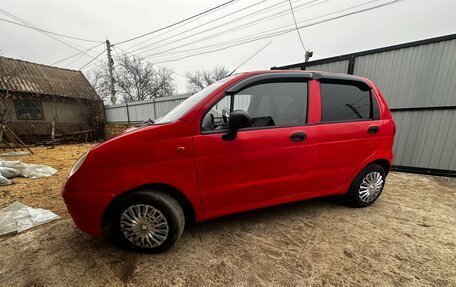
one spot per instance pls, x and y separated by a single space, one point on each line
268 104
344 102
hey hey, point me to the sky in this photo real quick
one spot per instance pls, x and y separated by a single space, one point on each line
238 21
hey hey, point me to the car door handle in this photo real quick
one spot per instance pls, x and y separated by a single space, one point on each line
298 137
373 129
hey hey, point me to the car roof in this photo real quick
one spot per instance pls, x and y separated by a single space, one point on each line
252 77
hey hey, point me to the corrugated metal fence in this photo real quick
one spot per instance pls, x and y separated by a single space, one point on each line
418 80
136 112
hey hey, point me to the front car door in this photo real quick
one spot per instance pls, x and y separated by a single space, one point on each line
266 161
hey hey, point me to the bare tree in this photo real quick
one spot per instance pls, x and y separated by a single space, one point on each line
135 80
9 70
138 80
99 80
198 80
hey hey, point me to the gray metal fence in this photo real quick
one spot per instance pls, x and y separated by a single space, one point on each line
418 80
136 112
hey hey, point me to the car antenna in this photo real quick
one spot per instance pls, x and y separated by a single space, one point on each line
249 58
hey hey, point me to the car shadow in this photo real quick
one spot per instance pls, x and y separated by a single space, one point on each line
307 208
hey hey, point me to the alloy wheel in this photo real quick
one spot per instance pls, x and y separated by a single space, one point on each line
144 225
371 186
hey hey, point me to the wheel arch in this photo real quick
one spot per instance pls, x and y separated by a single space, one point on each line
385 164
188 208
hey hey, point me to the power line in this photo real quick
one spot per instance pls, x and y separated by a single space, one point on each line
176 23
50 36
224 24
92 59
153 64
232 29
255 36
296 25
99 65
203 24
46 31
179 26
285 31
62 41
72 56
224 33
115 50
210 51
75 60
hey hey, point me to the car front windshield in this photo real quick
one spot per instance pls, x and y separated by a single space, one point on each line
190 102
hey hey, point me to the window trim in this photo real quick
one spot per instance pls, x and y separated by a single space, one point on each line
40 104
267 78
349 83
228 92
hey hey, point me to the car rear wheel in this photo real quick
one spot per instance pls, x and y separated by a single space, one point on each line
148 221
367 186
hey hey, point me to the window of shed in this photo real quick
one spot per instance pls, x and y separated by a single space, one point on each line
28 110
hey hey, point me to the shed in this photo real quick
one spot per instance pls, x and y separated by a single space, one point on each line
40 102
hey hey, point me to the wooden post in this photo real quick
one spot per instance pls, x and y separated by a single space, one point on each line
1 133
155 109
128 112
21 143
53 131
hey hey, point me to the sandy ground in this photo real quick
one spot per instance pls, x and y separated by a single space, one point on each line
407 238
43 192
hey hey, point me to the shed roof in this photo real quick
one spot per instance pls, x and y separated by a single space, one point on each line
45 80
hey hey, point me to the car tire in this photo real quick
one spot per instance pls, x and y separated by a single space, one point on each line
367 186
148 221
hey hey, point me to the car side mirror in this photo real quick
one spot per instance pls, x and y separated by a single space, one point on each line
239 119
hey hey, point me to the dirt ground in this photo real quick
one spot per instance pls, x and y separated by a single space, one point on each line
43 192
407 238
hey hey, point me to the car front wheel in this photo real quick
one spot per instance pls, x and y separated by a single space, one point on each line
148 221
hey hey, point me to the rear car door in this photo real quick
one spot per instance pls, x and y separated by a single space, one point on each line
349 132
266 161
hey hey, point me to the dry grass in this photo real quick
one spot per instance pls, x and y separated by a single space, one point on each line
44 192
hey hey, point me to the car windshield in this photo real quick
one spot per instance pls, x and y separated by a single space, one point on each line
190 102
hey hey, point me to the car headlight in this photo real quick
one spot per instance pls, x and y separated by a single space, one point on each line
78 164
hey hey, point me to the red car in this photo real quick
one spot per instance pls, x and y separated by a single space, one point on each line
248 141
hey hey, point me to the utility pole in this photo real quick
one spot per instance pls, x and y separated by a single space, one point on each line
110 67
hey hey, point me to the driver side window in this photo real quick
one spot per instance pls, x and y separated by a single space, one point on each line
268 104
217 117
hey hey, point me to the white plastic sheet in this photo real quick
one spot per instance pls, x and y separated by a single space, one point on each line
9 172
18 217
7 223
13 168
4 180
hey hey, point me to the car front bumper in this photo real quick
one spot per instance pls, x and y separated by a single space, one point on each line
87 209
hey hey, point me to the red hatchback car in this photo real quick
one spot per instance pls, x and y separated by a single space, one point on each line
248 141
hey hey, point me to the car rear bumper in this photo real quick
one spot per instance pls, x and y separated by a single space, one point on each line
87 209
